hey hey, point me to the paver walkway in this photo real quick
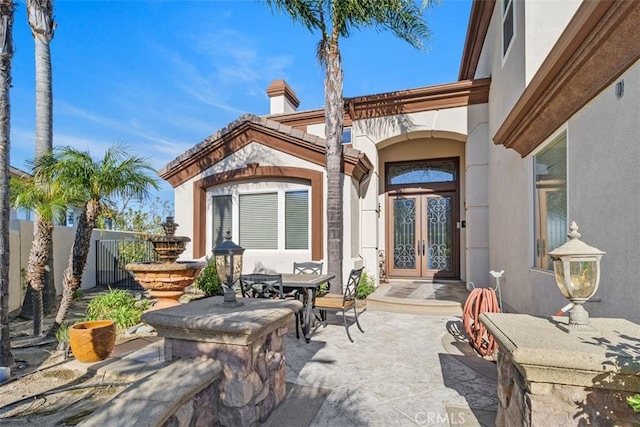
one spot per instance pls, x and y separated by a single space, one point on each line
406 370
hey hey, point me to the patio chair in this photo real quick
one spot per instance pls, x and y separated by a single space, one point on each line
342 302
261 286
307 268
302 268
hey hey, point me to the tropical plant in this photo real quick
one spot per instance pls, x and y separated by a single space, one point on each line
40 19
47 200
634 402
7 8
117 305
366 286
62 334
143 219
335 19
94 183
208 280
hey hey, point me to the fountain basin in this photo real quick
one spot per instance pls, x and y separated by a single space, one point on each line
165 281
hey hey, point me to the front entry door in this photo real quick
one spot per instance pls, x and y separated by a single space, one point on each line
422 235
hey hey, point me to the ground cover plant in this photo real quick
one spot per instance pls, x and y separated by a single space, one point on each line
118 305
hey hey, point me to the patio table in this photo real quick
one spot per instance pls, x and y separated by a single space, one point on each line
308 283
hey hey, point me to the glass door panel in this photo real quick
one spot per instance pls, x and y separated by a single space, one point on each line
439 232
422 236
404 236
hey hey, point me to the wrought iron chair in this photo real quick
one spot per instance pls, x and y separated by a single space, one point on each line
261 286
302 268
343 302
307 268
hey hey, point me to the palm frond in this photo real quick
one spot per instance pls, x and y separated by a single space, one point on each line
307 12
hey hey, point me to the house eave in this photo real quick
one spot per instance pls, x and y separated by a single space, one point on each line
449 95
597 46
479 20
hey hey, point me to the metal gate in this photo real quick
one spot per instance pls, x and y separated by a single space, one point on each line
113 255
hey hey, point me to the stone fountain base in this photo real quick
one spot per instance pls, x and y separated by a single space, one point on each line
165 281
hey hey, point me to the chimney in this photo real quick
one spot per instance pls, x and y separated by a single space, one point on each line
283 98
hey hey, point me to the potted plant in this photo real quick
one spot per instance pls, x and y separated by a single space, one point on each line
107 314
92 341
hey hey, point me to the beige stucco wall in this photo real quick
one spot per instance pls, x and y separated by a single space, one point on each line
271 261
602 177
544 21
603 192
476 205
429 134
21 239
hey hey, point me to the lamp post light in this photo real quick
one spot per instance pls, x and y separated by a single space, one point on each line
577 271
228 258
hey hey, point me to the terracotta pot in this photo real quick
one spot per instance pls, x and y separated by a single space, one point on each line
92 341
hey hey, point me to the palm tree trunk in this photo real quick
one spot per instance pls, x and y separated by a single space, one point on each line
72 276
6 53
334 110
38 258
40 17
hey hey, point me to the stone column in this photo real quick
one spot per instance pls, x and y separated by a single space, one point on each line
549 377
249 343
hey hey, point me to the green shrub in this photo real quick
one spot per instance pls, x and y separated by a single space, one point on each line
366 286
117 305
634 402
208 280
62 334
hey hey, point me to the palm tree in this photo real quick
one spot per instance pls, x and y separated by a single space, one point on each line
94 182
40 18
7 8
47 200
336 19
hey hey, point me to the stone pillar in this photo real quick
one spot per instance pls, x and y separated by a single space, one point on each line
249 343
549 377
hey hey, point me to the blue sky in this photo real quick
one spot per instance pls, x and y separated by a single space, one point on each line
160 76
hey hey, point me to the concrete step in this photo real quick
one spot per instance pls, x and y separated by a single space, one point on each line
419 297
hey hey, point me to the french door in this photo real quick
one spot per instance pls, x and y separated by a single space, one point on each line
422 239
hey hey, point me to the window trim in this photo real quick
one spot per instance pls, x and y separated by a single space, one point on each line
235 213
203 186
505 6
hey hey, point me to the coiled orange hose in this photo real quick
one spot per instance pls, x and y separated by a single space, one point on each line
480 300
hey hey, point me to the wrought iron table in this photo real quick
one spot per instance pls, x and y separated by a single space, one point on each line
307 283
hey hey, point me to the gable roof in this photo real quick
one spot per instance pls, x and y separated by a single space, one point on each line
479 20
251 128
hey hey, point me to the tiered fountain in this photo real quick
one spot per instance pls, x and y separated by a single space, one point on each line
167 278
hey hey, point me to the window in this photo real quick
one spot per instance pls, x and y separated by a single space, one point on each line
296 220
274 220
508 25
222 220
550 200
259 221
346 135
421 172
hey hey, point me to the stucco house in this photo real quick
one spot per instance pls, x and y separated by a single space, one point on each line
455 180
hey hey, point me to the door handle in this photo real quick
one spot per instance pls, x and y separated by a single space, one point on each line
423 248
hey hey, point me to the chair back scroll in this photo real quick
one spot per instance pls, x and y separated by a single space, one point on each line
261 286
307 268
351 289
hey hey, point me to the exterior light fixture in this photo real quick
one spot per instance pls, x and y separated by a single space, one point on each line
228 258
577 271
